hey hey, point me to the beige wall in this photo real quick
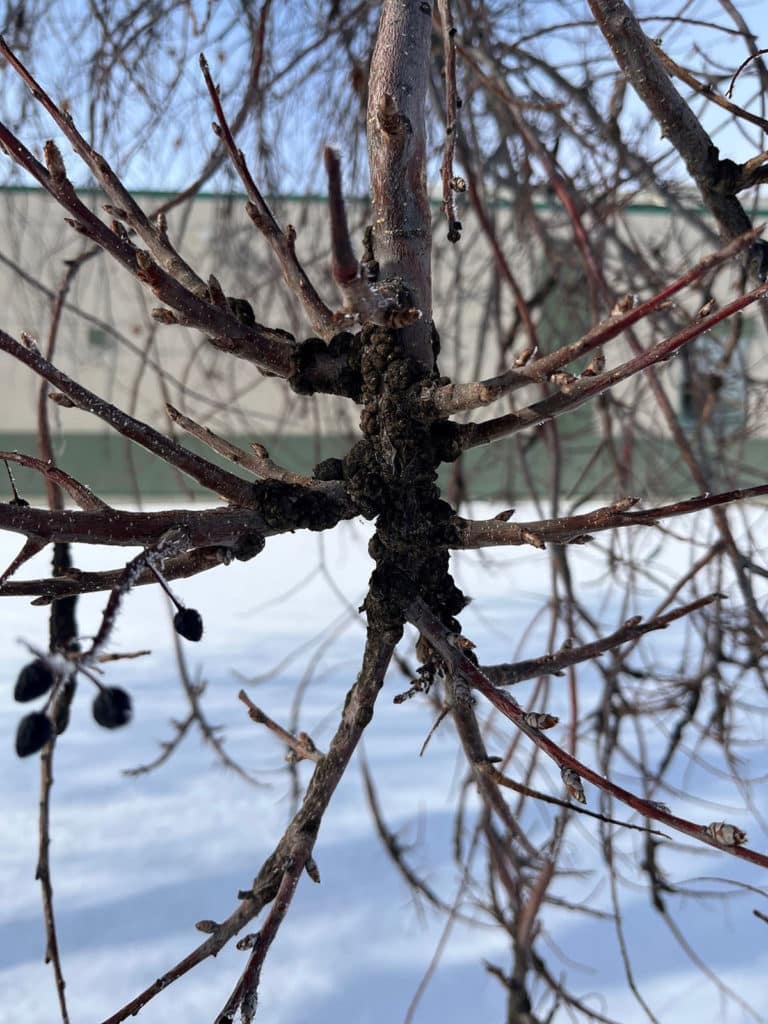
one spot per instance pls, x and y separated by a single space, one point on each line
108 340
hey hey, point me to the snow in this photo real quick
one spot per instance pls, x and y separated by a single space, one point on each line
137 860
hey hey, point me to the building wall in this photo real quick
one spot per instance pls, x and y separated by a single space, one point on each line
109 342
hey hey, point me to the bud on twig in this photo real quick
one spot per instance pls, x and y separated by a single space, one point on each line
540 720
573 784
208 927
660 806
725 834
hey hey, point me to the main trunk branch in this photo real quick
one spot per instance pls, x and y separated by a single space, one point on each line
397 155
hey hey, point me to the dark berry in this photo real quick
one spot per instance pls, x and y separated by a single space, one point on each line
33 733
34 680
188 623
112 707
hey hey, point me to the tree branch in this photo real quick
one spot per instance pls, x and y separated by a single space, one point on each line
640 62
151 234
362 301
75 581
271 350
282 243
83 496
570 767
397 157
285 507
452 398
301 747
256 461
229 486
451 184
296 845
553 664
245 995
567 529
576 392
708 92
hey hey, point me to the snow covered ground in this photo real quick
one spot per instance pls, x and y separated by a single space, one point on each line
137 860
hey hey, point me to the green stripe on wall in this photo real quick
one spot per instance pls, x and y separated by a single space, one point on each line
109 465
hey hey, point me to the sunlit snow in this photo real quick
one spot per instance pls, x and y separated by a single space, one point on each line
136 861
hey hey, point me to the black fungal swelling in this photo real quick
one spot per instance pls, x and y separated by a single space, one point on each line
391 475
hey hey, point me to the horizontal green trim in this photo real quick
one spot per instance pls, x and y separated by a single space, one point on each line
109 465
152 193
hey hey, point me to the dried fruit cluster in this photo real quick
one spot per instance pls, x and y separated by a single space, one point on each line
111 706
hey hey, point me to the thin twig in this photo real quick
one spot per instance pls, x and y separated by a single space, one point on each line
431 627
576 392
301 746
450 183
445 935
82 495
553 664
707 90
362 302
283 243
296 845
503 780
391 843
457 397
570 529
43 875
245 994
206 473
257 461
